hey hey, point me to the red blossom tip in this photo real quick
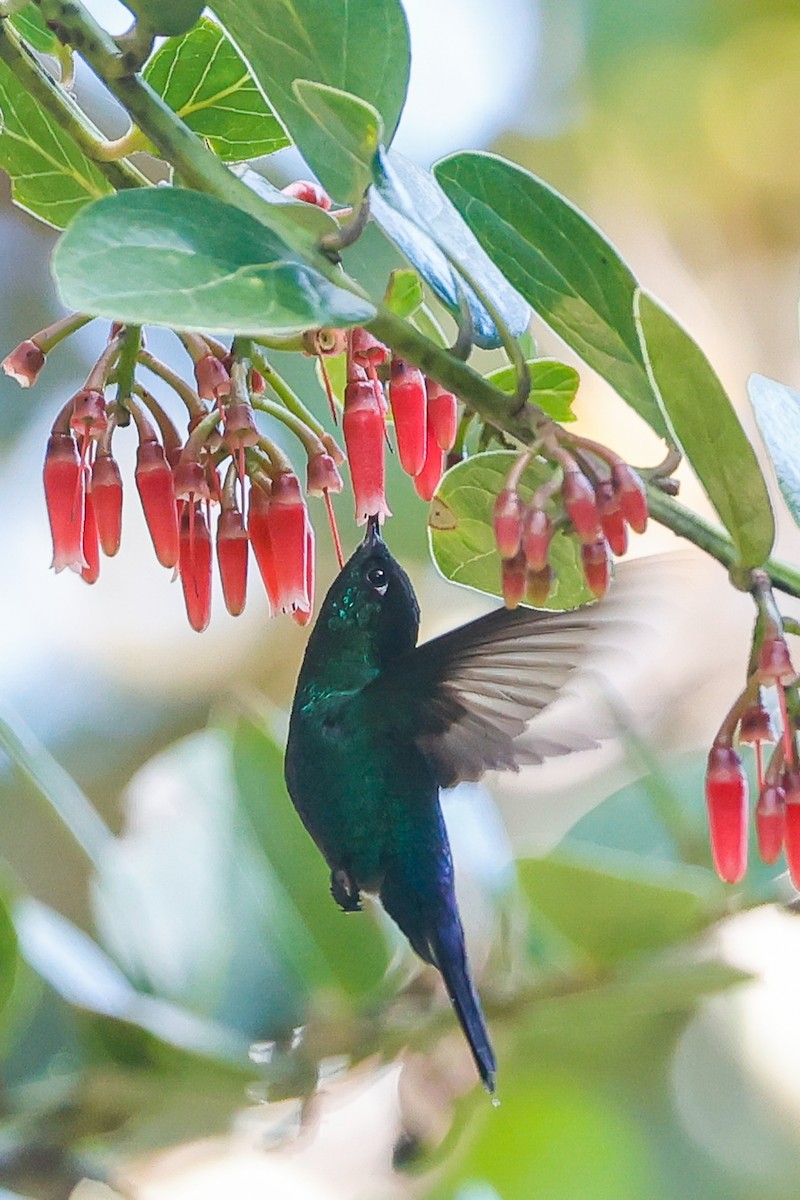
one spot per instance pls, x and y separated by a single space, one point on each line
287 519
790 782
195 566
106 492
91 543
726 800
65 494
24 363
770 822
442 415
408 401
507 522
632 496
157 494
232 551
363 427
426 483
596 566
261 541
577 494
537 534
612 522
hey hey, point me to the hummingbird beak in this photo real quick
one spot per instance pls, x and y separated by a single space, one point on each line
373 533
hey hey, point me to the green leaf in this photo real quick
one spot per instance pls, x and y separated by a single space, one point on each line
9 956
777 409
560 262
178 16
708 431
164 256
50 177
349 951
29 24
553 385
356 46
615 907
414 213
203 78
461 534
405 293
354 128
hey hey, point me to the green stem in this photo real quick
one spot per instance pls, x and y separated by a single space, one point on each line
702 533
286 394
51 781
54 100
126 367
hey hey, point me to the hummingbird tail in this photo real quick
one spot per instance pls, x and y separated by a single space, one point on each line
435 932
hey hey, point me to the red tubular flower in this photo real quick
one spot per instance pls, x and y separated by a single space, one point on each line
581 508
612 522
770 822
106 493
726 799
507 522
302 616
537 534
632 496
157 494
287 519
89 417
24 363
212 378
409 408
90 543
442 415
426 483
65 494
308 192
260 540
232 550
539 586
596 566
363 427
514 580
322 475
790 782
195 566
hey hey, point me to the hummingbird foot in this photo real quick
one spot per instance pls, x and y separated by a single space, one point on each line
344 891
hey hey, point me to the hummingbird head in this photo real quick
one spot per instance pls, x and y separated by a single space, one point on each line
370 611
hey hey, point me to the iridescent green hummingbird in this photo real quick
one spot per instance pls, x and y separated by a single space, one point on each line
380 724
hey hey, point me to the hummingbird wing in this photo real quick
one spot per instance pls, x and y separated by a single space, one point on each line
469 694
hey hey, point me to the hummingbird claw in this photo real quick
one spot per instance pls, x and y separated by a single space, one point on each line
345 892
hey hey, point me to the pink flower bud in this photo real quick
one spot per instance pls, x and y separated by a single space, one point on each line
322 475
774 662
632 496
65 493
537 534
24 363
726 799
213 380
106 493
612 521
195 566
407 398
363 428
157 494
596 566
770 822
578 496
232 550
507 522
442 415
89 417
240 426
308 192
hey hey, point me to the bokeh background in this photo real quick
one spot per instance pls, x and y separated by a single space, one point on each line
675 124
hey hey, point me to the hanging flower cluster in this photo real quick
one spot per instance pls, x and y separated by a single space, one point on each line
592 492
777 809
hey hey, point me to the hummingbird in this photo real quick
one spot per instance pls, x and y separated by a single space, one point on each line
380 724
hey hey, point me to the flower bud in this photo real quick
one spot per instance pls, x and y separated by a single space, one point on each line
195 565
322 475
537 534
507 522
770 822
260 540
426 483
577 494
632 496
65 494
774 662
89 417
726 799
442 415
790 782
240 426
539 586
513 579
212 378
157 494
287 518
596 566
24 363
363 428
232 550
612 521
308 192
90 543
407 398
106 492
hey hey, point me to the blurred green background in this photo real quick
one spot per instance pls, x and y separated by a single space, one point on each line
191 1014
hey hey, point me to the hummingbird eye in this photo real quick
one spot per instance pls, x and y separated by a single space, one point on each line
378 580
